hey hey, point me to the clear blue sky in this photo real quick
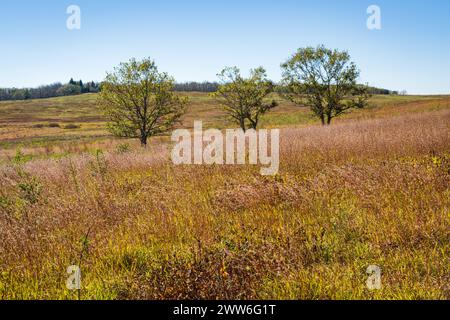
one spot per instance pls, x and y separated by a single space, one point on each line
194 40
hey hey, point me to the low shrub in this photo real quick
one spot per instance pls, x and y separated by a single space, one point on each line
123 148
72 126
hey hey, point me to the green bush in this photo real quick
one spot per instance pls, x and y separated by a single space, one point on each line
123 148
20 157
30 190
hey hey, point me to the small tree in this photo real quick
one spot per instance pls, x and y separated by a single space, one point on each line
139 101
244 99
324 80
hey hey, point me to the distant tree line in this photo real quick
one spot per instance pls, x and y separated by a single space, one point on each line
78 87
373 90
196 86
213 87
282 89
48 91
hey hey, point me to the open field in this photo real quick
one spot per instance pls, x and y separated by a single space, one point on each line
39 126
371 189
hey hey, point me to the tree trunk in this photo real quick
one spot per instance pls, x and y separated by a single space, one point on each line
329 120
242 123
144 141
322 118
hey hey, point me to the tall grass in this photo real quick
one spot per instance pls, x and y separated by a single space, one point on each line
347 196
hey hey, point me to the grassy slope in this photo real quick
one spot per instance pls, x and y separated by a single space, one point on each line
25 123
371 189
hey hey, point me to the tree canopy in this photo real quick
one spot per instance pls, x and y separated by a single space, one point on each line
245 99
325 80
139 100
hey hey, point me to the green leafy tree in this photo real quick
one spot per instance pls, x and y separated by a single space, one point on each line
139 100
245 99
325 80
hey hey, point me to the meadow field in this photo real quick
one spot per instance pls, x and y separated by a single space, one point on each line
63 125
371 189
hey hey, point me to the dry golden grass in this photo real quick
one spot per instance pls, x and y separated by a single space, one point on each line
26 124
347 196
